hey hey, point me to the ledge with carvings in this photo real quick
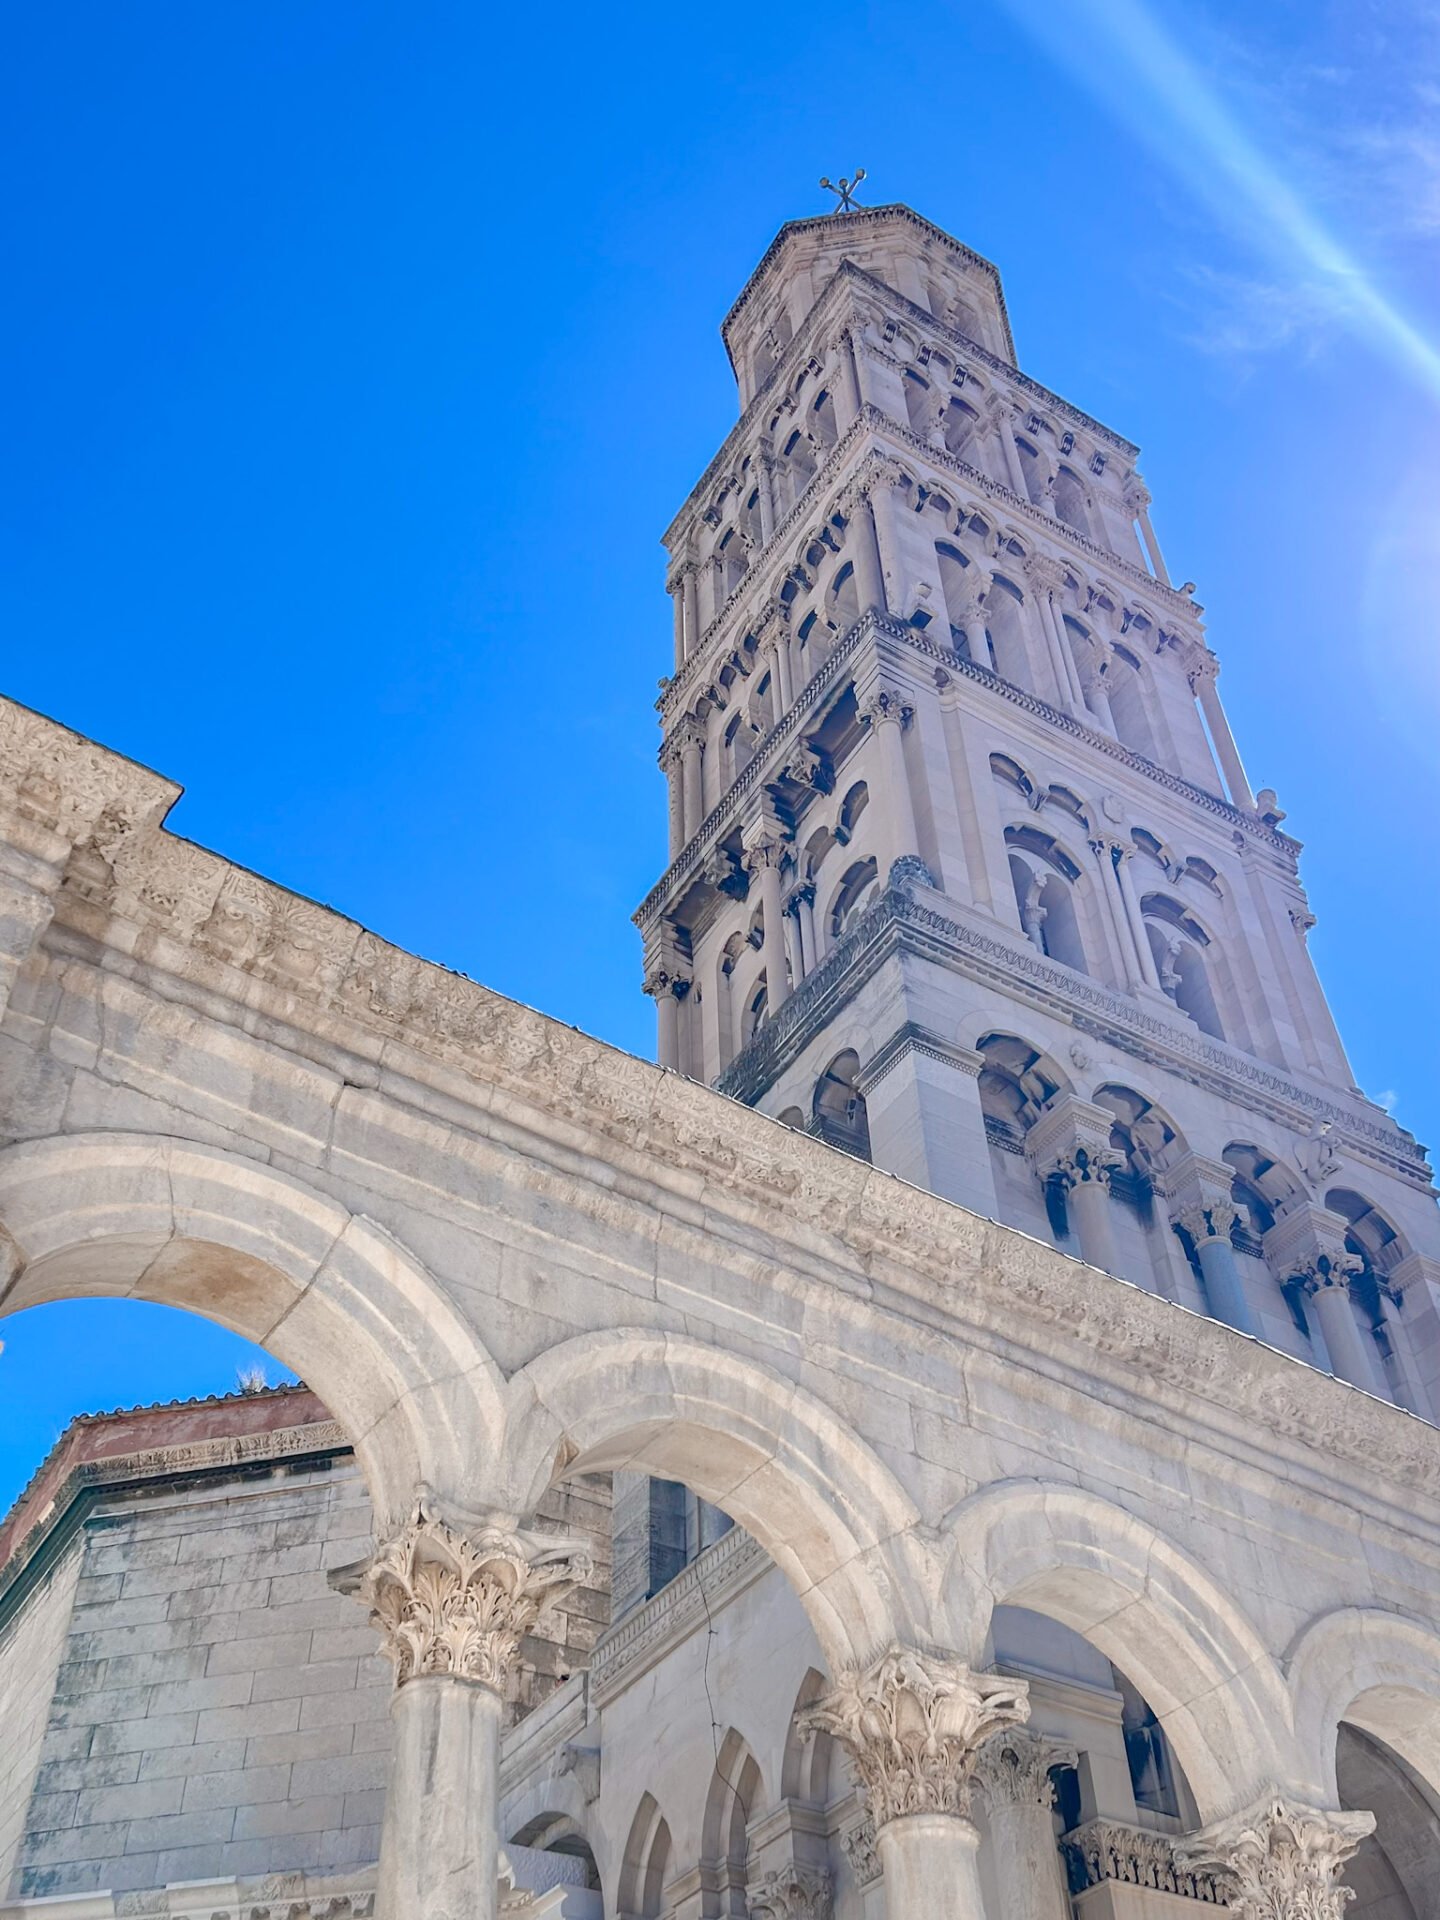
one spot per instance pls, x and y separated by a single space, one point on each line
898 919
647 1634
1106 1850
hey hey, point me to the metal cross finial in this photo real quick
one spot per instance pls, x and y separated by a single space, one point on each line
844 191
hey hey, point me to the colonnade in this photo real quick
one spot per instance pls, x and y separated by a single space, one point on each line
920 1732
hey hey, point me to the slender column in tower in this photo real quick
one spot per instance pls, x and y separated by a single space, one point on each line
690 735
1137 503
667 987
690 579
1047 580
765 487
1001 416
1149 972
1106 850
452 1607
845 385
672 768
912 1726
763 855
1014 1771
886 714
1070 1143
1202 676
882 508
675 587
1284 1860
1307 1243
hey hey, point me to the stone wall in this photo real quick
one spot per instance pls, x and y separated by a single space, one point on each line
31 1649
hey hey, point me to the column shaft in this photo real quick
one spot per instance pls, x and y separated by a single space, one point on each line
930 1868
1343 1341
692 611
439 1846
693 806
893 801
1088 1203
1149 972
777 986
869 583
1152 547
1224 1288
1026 1861
1226 751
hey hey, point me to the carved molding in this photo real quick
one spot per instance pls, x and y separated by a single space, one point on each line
791 1892
1280 1859
456 1603
1105 1850
913 1726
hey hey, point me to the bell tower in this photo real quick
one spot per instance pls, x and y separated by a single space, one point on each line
966 877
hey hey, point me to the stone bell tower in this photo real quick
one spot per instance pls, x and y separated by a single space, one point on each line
966 877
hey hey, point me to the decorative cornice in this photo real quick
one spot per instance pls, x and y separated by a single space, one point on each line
1105 1850
634 1644
895 920
914 1039
913 1725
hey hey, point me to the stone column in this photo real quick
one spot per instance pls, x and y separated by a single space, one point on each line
882 508
1202 677
690 736
765 487
1107 851
1307 1243
865 557
1014 1771
452 1608
779 639
1137 504
670 766
667 988
886 715
1149 972
846 385
675 587
1004 423
1209 1231
1070 1142
689 575
912 1726
763 855
1281 1860
1416 1281
1046 579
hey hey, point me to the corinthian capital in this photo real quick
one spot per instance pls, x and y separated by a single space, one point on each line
1044 574
913 1727
793 1893
459 1603
1283 1859
1014 1768
885 705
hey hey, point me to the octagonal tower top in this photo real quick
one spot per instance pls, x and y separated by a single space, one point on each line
910 255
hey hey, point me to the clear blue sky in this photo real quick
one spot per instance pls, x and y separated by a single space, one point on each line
357 356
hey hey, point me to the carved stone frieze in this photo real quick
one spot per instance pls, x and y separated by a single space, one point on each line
448 1602
1280 1859
913 1726
1105 1850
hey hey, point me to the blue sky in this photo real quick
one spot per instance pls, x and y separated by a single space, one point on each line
358 355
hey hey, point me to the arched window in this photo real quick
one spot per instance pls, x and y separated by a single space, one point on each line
754 1014
1129 707
961 422
1004 622
799 460
958 587
1032 466
733 561
858 890
822 421
1044 877
1375 1243
645 1865
839 1107
1069 497
1180 946
851 808
557 1833
1016 1084
739 739
1145 1247
843 599
920 407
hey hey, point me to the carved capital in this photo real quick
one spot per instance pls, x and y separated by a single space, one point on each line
1329 1271
791 1893
1086 1167
765 850
913 1727
1014 1768
1202 671
1044 574
885 706
1137 497
662 980
1209 1222
456 1603
1282 1860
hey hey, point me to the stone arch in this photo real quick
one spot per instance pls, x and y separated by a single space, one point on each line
805 1764
1114 1579
332 1295
1375 1670
735 1796
645 1863
761 1448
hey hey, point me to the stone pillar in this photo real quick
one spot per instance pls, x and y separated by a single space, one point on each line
452 1608
763 855
765 487
1202 677
779 638
671 767
1281 1860
689 575
846 384
1197 1198
1004 423
922 1099
1307 1243
1014 1771
1416 1282
882 508
667 988
675 587
1046 578
1135 919
1108 851
1070 1142
865 557
1137 504
912 1727
692 806
886 715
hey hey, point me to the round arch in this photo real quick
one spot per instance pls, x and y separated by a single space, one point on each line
764 1450
1119 1583
1380 1672
331 1294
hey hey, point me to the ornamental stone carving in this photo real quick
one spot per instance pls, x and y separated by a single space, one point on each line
913 1727
885 706
1283 1860
791 1893
1212 1222
459 1603
1014 1768
861 1851
1086 1167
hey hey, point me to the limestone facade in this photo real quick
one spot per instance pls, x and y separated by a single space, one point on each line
1053 1579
